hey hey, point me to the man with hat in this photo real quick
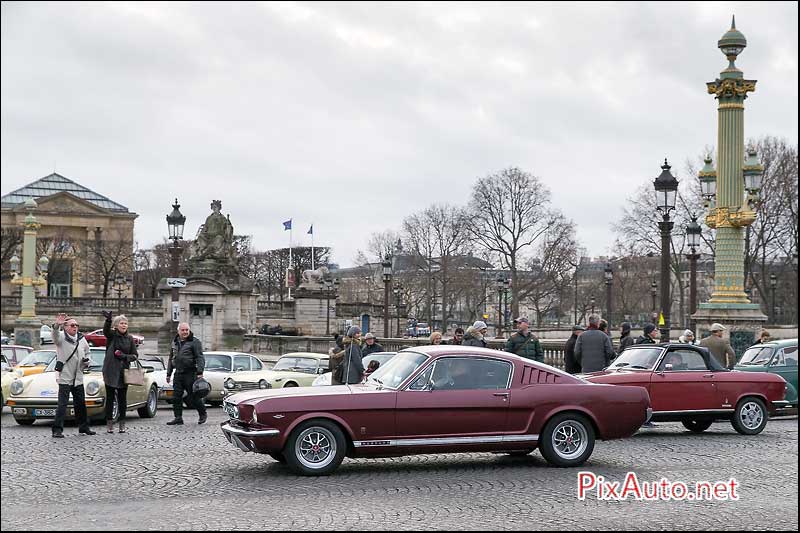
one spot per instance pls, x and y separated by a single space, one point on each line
524 343
475 334
370 345
571 365
649 335
719 347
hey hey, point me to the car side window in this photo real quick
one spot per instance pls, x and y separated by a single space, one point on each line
255 364
682 360
241 362
470 374
785 357
422 381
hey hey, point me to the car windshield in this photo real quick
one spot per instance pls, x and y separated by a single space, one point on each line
397 369
641 358
218 363
39 357
756 355
307 365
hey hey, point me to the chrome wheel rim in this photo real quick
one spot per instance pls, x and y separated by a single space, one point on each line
751 415
570 439
152 399
315 447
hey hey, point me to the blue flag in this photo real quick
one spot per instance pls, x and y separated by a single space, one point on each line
311 230
287 224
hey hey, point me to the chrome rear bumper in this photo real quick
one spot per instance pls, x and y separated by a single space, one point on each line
649 415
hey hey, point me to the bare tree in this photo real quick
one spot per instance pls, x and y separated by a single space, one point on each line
509 213
108 257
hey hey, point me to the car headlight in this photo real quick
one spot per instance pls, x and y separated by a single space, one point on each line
229 384
236 411
17 387
92 388
264 385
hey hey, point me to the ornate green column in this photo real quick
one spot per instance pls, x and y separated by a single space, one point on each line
26 327
732 211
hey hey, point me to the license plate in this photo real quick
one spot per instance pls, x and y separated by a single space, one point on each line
20 411
44 412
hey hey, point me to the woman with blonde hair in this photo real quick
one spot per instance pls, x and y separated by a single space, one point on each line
120 352
436 338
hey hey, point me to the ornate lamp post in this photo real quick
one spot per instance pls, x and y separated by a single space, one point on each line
733 197
693 232
331 286
773 284
609 278
666 187
653 294
26 328
592 301
120 285
398 296
503 286
175 223
387 280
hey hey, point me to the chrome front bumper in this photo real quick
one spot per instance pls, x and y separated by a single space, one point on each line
649 415
243 438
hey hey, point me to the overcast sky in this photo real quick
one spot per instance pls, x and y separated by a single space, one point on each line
352 116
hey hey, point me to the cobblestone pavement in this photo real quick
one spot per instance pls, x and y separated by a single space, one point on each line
189 477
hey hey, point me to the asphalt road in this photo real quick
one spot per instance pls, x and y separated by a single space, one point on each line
189 477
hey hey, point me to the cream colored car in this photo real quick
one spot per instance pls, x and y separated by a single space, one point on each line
8 377
35 397
218 367
298 369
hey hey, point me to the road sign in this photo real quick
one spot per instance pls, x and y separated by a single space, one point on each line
176 283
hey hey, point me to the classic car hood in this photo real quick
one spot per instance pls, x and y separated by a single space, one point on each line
296 392
44 385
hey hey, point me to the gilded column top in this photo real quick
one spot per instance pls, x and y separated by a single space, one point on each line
731 88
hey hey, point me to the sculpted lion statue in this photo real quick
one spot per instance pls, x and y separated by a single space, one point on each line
315 276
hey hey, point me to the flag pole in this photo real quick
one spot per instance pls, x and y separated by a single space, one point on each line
312 246
290 257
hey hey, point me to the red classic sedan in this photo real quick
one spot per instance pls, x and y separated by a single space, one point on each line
436 399
96 338
687 384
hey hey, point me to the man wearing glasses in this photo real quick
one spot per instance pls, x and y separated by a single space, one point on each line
72 355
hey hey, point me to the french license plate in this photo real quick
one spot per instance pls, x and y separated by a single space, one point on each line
44 412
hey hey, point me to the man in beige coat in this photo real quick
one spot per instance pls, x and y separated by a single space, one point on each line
719 347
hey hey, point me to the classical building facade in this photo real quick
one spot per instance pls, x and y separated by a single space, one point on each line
87 237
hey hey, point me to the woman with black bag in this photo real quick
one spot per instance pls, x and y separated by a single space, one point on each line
120 352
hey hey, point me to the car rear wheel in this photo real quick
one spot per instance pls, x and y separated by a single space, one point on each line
750 417
567 440
150 408
696 425
24 421
315 448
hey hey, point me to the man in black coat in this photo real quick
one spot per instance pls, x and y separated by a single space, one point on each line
186 359
570 364
370 345
649 335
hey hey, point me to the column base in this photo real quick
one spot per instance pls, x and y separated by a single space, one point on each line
742 320
27 332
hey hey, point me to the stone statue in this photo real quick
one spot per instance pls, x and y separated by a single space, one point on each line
314 277
215 237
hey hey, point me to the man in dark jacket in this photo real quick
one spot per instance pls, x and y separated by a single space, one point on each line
570 364
370 345
186 359
351 359
649 335
625 338
524 343
458 337
475 334
593 349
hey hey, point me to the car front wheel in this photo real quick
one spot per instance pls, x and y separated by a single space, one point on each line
696 425
567 440
149 409
315 448
750 417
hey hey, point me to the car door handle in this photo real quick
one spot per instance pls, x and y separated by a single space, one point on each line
503 395
708 375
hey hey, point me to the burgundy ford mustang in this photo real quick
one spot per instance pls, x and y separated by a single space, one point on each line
436 399
687 384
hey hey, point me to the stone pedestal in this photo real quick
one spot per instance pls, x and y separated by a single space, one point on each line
27 331
310 312
743 322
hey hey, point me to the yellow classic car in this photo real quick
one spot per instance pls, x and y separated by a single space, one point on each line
298 369
35 397
35 362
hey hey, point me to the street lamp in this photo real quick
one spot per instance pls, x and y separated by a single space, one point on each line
666 187
387 280
331 286
653 294
592 300
693 232
609 276
773 284
398 294
175 224
502 284
120 284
